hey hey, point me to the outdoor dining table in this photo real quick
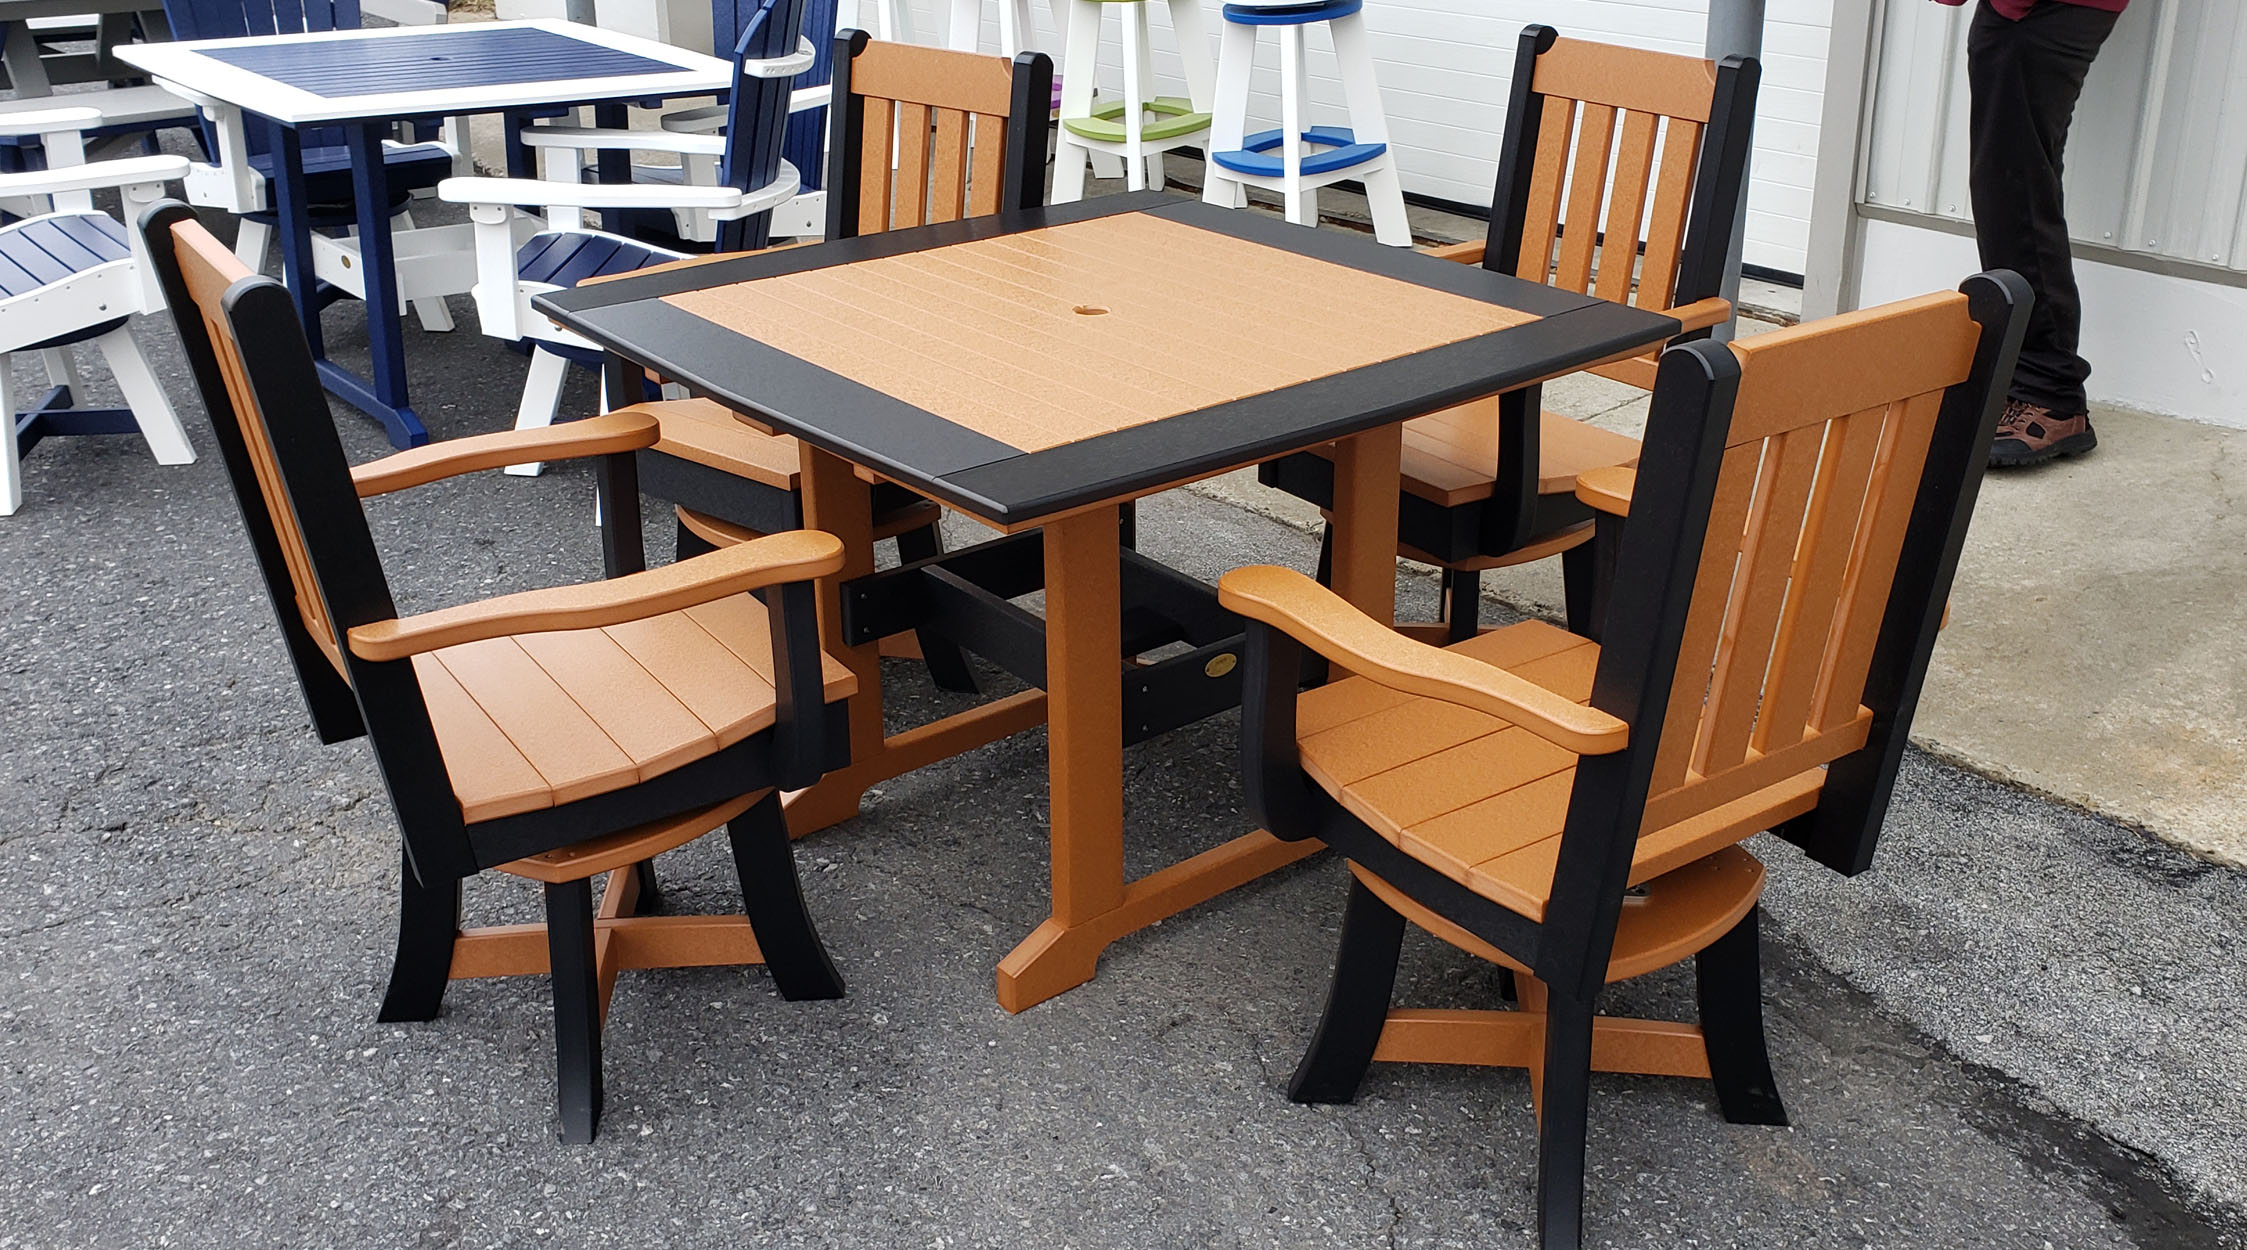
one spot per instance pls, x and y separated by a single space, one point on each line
368 81
1038 371
31 74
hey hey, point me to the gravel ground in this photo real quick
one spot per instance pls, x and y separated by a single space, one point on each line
2017 1031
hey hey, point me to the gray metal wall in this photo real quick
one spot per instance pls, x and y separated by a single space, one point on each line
2157 160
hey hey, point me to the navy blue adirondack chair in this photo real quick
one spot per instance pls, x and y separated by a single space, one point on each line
327 162
519 256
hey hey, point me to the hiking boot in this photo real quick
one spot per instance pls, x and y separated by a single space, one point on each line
2027 434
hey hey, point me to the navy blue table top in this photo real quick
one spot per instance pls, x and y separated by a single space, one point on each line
440 60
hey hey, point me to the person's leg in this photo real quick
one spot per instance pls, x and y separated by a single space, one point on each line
2025 78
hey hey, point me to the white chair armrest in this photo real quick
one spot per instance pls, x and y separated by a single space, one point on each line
49 121
707 120
803 99
590 139
121 173
539 193
782 66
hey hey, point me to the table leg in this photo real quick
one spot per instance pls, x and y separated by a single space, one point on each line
840 502
1093 905
295 228
370 188
1366 479
610 167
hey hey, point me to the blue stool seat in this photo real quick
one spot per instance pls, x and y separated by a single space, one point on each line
1260 152
1290 14
566 258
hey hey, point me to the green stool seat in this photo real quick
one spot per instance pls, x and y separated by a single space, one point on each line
1174 117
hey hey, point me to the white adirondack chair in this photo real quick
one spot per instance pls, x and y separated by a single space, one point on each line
71 274
520 255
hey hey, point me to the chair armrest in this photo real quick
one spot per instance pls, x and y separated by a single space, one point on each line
1701 313
537 192
791 557
591 139
49 121
1468 253
1325 622
782 66
710 119
1607 489
607 435
95 175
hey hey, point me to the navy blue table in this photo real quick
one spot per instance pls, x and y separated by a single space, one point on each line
364 82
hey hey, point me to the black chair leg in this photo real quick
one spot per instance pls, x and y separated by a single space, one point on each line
1561 1123
1357 1004
1462 603
1579 576
577 1009
947 667
428 921
1728 980
650 900
766 863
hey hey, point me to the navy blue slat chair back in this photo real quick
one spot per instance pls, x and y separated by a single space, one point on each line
805 142
234 19
757 110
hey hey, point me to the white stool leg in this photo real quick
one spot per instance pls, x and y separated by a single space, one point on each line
1228 125
63 371
1137 82
1302 207
152 410
542 398
1384 194
430 310
1080 65
11 467
252 239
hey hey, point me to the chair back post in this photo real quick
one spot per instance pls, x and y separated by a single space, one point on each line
1656 570
1024 187
846 114
757 116
335 712
800 711
1844 829
1517 153
1719 181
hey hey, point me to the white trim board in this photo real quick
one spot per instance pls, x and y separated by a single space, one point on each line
2156 342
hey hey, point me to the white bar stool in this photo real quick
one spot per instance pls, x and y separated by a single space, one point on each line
1296 160
1138 127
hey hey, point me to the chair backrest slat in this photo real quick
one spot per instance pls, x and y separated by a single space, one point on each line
929 135
1540 224
948 167
910 205
1595 134
1627 192
1665 227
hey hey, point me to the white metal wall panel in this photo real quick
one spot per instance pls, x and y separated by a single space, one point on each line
2157 157
1445 65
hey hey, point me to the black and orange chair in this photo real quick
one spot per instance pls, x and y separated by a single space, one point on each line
1619 177
1570 807
555 734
